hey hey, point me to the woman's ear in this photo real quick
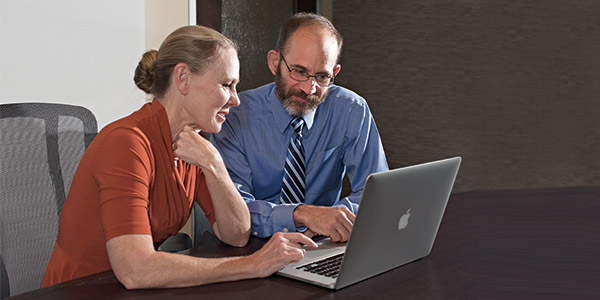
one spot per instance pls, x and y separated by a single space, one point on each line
181 78
273 61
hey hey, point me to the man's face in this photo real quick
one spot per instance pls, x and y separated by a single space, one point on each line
295 101
315 52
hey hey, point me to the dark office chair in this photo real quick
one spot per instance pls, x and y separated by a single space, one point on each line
41 145
202 233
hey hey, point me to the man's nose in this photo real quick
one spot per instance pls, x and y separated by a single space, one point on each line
309 87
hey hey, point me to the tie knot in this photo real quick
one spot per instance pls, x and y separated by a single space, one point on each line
297 123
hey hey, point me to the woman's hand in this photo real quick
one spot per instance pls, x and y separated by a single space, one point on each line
280 250
193 148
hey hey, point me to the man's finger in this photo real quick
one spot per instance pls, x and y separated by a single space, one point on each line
299 238
309 233
346 223
351 217
344 232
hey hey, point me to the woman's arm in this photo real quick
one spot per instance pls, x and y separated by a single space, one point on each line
137 265
232 224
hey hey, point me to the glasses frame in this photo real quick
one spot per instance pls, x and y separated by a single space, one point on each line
307 75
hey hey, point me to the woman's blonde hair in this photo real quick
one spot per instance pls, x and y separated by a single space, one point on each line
195 46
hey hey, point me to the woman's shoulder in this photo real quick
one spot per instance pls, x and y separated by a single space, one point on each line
119 140
122 135
130 129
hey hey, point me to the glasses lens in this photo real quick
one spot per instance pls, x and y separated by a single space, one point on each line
300 75
323 80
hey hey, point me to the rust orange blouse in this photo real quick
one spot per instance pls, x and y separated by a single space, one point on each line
126 183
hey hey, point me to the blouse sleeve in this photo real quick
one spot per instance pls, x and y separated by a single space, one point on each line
123 171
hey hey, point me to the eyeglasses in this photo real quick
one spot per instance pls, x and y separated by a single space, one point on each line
323 80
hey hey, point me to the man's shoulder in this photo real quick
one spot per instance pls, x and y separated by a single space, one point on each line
253 98
341 96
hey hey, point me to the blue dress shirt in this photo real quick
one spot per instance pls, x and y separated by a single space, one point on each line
339 137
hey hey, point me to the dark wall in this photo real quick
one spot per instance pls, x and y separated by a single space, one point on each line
254 26
511 86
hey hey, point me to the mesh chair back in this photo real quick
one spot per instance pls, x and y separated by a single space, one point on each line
203 232
41 145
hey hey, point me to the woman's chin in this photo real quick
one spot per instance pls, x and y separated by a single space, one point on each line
213 129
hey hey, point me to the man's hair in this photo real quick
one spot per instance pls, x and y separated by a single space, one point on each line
302 19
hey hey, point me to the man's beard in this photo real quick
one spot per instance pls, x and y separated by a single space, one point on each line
296 108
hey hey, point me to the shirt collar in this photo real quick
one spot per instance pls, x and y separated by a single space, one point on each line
282 118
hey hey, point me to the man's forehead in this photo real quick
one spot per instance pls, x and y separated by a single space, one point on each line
313 34
318 44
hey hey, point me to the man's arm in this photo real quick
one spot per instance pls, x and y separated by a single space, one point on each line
268 218
363 157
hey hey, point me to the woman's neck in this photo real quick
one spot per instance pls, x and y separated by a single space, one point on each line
175 115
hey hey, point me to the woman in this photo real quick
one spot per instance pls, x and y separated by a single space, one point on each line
137 181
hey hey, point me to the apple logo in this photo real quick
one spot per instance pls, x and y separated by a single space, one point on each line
404 220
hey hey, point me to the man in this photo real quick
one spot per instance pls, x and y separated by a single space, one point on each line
289 144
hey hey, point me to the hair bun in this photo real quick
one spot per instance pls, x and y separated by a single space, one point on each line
145 72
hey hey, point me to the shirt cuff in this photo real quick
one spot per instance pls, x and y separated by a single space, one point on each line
345 202
283 218
301 228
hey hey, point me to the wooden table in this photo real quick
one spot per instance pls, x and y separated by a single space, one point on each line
533 244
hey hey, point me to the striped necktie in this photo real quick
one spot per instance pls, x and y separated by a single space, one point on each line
292 189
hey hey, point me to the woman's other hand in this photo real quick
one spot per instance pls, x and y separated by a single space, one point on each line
280 250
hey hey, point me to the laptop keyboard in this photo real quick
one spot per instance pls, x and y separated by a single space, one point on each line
329 267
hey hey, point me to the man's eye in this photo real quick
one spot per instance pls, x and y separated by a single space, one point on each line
322 76
300 72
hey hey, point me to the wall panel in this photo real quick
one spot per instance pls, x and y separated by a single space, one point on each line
512 86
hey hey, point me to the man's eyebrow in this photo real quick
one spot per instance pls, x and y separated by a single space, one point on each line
302 68
298 67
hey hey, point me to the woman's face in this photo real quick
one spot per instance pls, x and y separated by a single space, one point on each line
213 92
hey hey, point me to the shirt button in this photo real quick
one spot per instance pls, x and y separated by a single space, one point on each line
255 233
285 230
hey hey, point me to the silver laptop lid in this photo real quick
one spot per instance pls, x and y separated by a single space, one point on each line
398 219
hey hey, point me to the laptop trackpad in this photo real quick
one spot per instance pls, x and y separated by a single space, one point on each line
326 248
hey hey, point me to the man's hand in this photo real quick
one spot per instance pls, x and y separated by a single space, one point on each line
335 222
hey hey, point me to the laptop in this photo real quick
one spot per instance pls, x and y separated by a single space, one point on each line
399 216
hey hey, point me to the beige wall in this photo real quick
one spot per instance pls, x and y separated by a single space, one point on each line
72 52
162 17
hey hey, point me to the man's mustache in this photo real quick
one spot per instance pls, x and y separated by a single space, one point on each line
311 98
